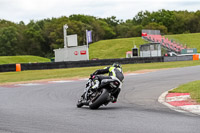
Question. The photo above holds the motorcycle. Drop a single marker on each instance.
(94, 98)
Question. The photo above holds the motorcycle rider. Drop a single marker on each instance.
(115, 72)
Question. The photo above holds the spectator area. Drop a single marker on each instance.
(165, 42)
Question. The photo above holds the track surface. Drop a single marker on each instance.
(51, 108)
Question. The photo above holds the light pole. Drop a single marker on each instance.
(65, 34)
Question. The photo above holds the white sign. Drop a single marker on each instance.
(72, 40)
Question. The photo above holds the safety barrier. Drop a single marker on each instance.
(195, 57)
(72, 64)
(18, 67)
(7, 67)
(104, 62)
(178, 58)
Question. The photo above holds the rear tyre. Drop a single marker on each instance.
(103, 98)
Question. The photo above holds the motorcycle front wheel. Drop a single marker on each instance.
(103, 98)
(79, 104)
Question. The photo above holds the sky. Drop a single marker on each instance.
(26, 10)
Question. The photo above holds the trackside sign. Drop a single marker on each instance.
(83, 52)
(76, 53)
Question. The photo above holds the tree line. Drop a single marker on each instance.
(42, 36)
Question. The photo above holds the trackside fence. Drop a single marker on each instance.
(73, 64)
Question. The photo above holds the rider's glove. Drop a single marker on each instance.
(92, 76)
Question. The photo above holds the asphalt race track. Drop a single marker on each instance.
(51, 108)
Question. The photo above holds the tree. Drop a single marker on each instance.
(86, 19)
(33, 39)
(42, 37)
(156, 26)
(122, 30)
(142, 18)
(8, 41)
(134, 31)
(163, 17)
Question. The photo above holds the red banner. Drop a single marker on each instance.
(83, 52)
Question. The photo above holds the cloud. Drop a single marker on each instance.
(25, 10)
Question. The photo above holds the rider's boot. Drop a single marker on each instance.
(96, 84)
(113, 99)
(115, 96)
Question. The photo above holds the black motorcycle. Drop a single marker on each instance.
(94, 98)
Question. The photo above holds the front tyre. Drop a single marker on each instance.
(103, 98)
(79, 104)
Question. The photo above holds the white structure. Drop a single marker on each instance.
(72, 40)
(151, 32)
(71, 50)
(71, 54)
(150, 50)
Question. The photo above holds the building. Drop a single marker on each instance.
(150, 50)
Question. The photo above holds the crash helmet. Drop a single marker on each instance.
(116, 65)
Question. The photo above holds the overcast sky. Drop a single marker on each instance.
(26, 10)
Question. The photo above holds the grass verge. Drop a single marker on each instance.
(114, 48)
(193, 88)
(191, 40)
(8, 77)
(22, 59)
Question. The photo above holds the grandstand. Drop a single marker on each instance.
(170, 45)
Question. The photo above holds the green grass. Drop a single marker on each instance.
(84, 72)
(114, 48)
(193, 88)
(192, 40)
(22, 59)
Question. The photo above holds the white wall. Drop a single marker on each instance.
(71, 54)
